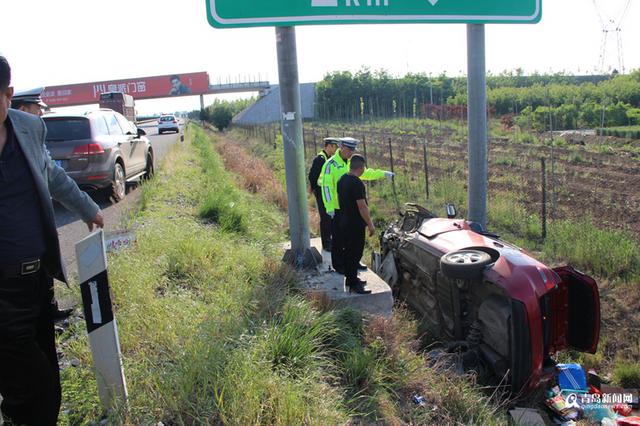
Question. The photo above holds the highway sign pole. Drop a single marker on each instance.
(477, 110)
(291, 125)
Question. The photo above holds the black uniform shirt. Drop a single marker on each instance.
(316, 168)
(350, 190)
(22, 236)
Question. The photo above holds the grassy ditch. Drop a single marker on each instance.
(214, 330)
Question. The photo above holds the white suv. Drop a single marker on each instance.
(168, 123)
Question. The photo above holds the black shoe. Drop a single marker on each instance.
(61, 314)
(339, 270)
(358, 288)
(362, 267)
(363, 282)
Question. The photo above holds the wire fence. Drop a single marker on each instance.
(552, 180)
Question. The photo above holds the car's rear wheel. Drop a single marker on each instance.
(149, 169)
(464, 264)
(119, 184)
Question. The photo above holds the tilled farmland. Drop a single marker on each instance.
(580, 182)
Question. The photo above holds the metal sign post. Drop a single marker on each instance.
(300, 253)
(477, 110)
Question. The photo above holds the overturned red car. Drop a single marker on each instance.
(500, 311)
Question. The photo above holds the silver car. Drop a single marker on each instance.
(100, 150)
(168, 123)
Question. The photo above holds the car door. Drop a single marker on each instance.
(137, 155)
(123, 141)
(579, 309)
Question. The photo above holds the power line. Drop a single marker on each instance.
(610, 25)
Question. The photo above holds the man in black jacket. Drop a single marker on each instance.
(354, 220)
(330, 148)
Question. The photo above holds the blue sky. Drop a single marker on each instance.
(72, 41)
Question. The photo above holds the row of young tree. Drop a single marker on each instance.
(221, 112)
(570, 101)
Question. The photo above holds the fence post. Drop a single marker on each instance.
(426, 166)
(304, 144)
(275, 138)
(315, 145)
(543, 168)
(364, 147)
(393, 178)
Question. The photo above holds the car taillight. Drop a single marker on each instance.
(174, 121)
(88, 149)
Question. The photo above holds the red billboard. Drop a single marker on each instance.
(140, 88)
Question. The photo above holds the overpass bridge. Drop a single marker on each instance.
(156, 87)
(251, 86)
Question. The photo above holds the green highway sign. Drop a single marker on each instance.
(254, 13)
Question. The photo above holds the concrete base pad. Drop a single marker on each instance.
(324, 282)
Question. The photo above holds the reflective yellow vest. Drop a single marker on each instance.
(331, 173)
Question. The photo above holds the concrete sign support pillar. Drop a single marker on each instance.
(300, 253)
(477, 110)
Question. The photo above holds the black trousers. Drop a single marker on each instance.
(337, 243)
(325, 221)
(354, 248)
(29, 373)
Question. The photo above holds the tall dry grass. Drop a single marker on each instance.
(257, 177)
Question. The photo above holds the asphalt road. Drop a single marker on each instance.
(71, 229)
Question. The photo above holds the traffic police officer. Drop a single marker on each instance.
(332, 171)
(330, 148)
(29, 101)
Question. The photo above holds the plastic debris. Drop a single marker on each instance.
(571, 377)
(629, 421)
(419, 400)
(622, 409)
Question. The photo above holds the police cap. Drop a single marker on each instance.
(32, 96)
(350, 143)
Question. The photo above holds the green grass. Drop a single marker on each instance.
(631, 132)
(627, 375)
(606, 253)
(214, 330)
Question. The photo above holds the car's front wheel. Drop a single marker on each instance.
(464, 264)
(119, 184)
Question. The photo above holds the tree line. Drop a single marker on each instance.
(538, 101)
(220, 113)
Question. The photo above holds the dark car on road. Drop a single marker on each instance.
(100, 150)
(491, 307)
